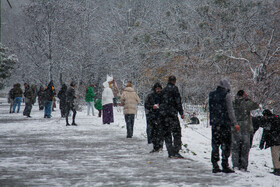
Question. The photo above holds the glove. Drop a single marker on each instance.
(237, 128)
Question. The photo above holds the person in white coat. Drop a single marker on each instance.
(107, 104)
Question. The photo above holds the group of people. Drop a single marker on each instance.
(233, 130)
(231, 121)
(15, 98)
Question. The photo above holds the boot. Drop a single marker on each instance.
(227, 170)
(277, 172)
(216, 168)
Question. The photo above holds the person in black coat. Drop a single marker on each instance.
(271, 138)
(70, 99)
(152, 105)
(222, 120)
(62, 100)
(169, 107)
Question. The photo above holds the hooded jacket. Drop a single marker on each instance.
(129, 100)
(220, 105)
(107, 94)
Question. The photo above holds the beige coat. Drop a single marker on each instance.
(129, 100)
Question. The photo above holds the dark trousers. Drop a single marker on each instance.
(148, 129)
(27, 109)
(68, 108)
(156, 133)
(171, 133)
(221, 137)
(129, 120)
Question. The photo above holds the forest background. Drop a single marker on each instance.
(198, 41)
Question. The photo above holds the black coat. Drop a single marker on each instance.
(62, 96)
(152, 99)
(271, 132)
(70, 96)
(218, 108)
(170, 102)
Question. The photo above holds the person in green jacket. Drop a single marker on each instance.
(241, 140)
(89, 99)
(98, 106)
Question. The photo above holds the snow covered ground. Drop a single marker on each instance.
(44, 152)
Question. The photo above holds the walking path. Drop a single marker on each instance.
(44, 152)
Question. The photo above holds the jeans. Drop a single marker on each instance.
(90, 105)
(17, 102)
(48, 109)
(129, 119)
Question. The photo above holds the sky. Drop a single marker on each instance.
(44, 152)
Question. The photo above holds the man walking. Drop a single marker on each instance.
(70, 99)
(169, 107)
(222, 118)
(28, 98)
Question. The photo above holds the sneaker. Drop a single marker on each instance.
(227, 170)
(74, 124)
(67, 124)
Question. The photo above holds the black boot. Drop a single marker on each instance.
(216, 168)
(227, 170)
(276, 172)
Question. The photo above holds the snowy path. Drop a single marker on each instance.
(44, 152)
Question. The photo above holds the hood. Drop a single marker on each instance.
(224, 84)
(106, 84)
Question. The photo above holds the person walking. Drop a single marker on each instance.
(17, 92)
(107, 104)
(241, 140)
(222, 118)
(40, 95)
(169, 107)
(70, 103)
(62, 100)
(271, 138)
(28, 99)
(129, 100)
(152, 105)
(89, 99)
(49, 93)
(11, 98)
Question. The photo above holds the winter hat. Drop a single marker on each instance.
(157, 85)
(224, 84)
(267, 112)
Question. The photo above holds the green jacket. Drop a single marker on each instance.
(98, 104)
(242, 108)
(89, 94)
